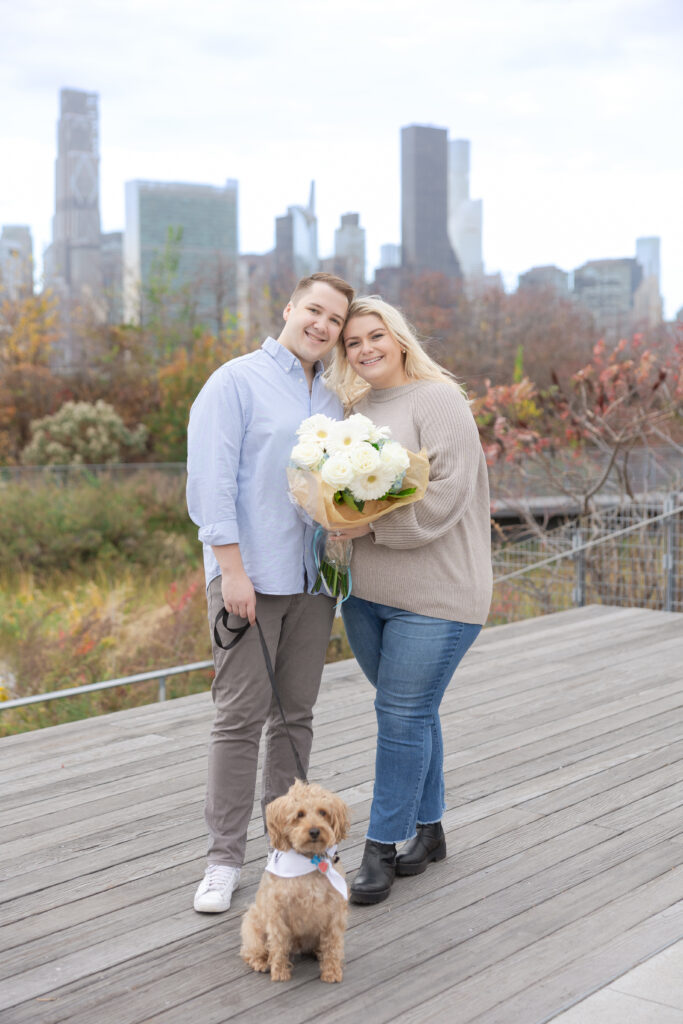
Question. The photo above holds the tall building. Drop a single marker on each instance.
(389, 255)
(16, 261)
(465, 215)
(607, 289)
(349, 252)
(349, 249)
(648, 255)
(72, 261)
(425, 244)
(112, 275)
(647, 302)
(296, 240)
(195, 224)
(549, 278)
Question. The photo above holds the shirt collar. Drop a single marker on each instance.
(286, 359)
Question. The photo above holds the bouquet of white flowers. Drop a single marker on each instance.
(346, 473)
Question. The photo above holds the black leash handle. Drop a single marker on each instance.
(239, 632)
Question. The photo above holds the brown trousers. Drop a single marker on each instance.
(297, 629)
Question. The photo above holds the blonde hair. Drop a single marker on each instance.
(346, 383)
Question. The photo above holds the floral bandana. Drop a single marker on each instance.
(289, 864)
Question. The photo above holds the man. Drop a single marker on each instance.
(258, 562)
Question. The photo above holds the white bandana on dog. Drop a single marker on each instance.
(290, 864)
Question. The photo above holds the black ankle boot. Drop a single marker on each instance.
(428, 845)
(372, 883)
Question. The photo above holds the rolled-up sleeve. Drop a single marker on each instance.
(214, 442)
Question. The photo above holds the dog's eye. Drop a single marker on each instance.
(301, 814)
(323, 814)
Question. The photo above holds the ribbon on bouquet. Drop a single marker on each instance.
(319, 540)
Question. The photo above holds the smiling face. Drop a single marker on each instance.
(313, 323)
(374, 353)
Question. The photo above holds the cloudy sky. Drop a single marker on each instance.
(573, 109)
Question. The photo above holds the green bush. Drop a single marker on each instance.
(82, 432)
(51, 527)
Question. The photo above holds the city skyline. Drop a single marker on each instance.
(572, 117)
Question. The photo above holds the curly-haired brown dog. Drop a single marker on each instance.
(306, 913)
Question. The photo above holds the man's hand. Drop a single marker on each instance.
(239, 596)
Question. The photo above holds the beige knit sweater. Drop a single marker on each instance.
(432, 557)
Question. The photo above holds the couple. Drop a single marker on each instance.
(421, 576)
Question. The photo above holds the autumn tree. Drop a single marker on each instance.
(28, 388)
(585, 430)
(179, 383)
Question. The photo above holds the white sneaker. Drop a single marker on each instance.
(216, 888)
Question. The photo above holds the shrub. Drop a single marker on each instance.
(82, 432)
(51, 527)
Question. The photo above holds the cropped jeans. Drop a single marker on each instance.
(410, 660)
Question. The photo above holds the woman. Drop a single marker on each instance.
(421, 583)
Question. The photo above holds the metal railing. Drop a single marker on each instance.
(603, 559)
(142, 677)
(579, 586)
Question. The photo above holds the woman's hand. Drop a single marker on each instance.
(352, 532)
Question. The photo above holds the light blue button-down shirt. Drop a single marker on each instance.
(242, 429)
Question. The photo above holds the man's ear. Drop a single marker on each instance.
(286, 311)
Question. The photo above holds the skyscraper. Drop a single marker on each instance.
(647, 303)
(607, 289)
(296, 240)
(200, 224)
(16, 261)
(72, 261)
(425, 244)
(349, 252)
(464, 214)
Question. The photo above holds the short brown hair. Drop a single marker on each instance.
(338, 283)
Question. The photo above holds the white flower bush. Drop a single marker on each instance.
(82, 433)
(354, 456)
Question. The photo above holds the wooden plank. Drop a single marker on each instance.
(564, 832)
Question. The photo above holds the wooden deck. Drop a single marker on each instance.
(564, 740)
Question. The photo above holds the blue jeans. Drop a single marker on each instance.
(410, 660)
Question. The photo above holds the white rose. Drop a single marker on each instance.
(307, 454)
(363, 457)
(338, 471)
(394, 458)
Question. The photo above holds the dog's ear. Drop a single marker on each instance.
(276, 822)
(341, 821)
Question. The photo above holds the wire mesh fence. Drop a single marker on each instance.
(626, 555)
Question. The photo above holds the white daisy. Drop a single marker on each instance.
(348, 432)
(372, 485)
(317, 426)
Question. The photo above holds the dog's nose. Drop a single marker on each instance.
(314, 833)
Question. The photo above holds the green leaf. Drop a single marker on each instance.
(349, 500)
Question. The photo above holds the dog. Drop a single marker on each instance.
(301, 902)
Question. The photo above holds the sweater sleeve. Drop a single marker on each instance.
(447, 431)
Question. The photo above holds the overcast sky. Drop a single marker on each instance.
(573, 109)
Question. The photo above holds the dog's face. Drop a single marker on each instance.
(307, 819)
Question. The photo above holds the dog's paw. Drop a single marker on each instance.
(331, 973)
(256, 962)
(280, 973)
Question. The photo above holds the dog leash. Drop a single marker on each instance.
(239, 632)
